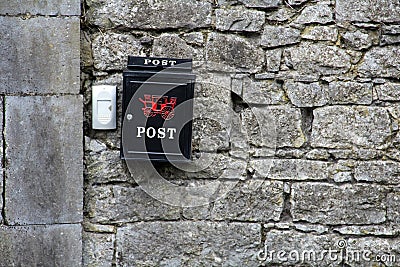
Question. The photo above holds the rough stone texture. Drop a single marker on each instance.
(320, 13)
(274, 36)
(46, 7)
(310, 58)
(263, 92)
(103, 165)
(299, 248)
(390, 34)
(381, 62)
(273, 58)
(222, 53)
(333, 205)
(107, 50)
(140, 14)
(348, 127)
(280, 126)
(379, 230)
(388, 91)
(393, 207)
(46, 62)
(261, 3)
(307, 94)
(112, 204)
(378, 171)
(98, 249)
(251, 201)
(53, 245)
(239, 19)
(189, 243)
(367, 11)
(44, 159)
(171, 45)
(320, 33)
(357, 40)
(290, 169)
(350, 93)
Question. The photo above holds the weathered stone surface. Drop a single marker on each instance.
(378, 171)
(274, 36)
(295, 2)
(388, 91)
(54, 245)
(357, 40)
(189, 244)
(332, 205)
(104, 165)
(378, 230)
(143, 14)
(320, 13)
(320, 33)
(98, 249)
(280, 126)
(46, 7)
(309, 58)
(390, 34)
(292, 248)
(366, 11)
(349, 127)
(307, 94)
(223, 50)
(263, 92)
(110, 204)
(212, 123)
(261, 3)
(239, 19)
(195, 38)
(290, 169)
(381, 62)
(251, 201)
(350, 93)
(46, 61)
(282, 15)
(171, 45)
(393, 207)
(273, 58)
(44, 159)
(108, 47)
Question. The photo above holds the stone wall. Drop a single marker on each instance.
(42, 138)
(297, 104)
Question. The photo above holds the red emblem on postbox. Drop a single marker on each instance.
(155, 104)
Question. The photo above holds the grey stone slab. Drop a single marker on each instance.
(98, 249)
(274, 36)
(239, 19)
(39, 55)
(321, 33)
(266, 92)
(110, 204)
(350, 93)
(307, 94)
(262, 3)
(367, 11)
(335, 205)
(107, 50)
(317, 58)
(290, 169)
(388, 91)
(44, 7)
(320, 13)
(44, 159)
(381, 62)
(222, 52)
(378, 171)
(143, 14)
(188, 244)
(251, 201)
(54, 245)
(351, 127)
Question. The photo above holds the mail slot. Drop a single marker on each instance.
(157, 109)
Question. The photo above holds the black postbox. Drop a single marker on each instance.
(157, 109)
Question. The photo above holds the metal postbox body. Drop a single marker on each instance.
(157, 109)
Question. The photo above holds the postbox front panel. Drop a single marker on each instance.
(157, 116)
